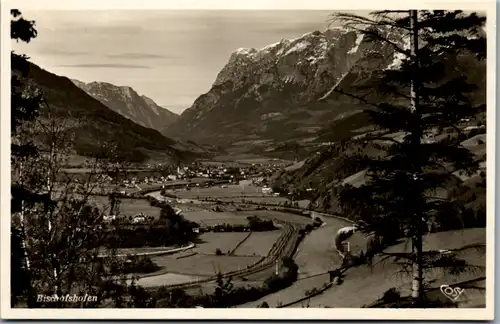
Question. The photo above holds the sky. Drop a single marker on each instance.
(170, 56)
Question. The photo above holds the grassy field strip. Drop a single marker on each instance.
(259, 243)
(206, 265)
(211, 217)
(129, 206)
(239, 244)
(280, 215)
(154, 253)
(186, 256)
(159, 273)
(290, 294)
(225, 241)
(166, 278)
(318, 292)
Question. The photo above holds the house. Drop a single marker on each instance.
(109, 218)
(139, 219)
(267, 190)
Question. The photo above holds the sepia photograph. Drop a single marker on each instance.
(201, 162)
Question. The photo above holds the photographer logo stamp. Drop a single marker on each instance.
(451, 293)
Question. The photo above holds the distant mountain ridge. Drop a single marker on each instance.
(128, 103)
(97, 124)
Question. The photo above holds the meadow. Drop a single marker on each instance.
(225, 241)
(362, 285)
(204, 265)
(282, 216)
(128, 206)
(212, 218)
(258, 243)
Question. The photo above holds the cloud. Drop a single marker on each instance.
(108, 65)
(60, 52)
(135, 56)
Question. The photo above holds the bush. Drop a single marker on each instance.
(291, 269)
(158, 233)
(275, 283)
(258, 225)
(263, 305)
(391, 296)
(140, 264)
(317, 224)
(311, 292)
(218, 251)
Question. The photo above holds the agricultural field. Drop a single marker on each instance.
(212, 218)
(226, 242)
(292, 218)
(141, 250)
(374, 281)
(204, 265)
(232, 193)
(256, 200)
(248, 159)
(129, 207)
(165, 279)
(218, 192)
(258, 243)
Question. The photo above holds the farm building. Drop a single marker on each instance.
(267, 190)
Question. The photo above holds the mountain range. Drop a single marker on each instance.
(128, 103)
(285, 94)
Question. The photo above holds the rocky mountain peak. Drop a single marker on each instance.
(281, 83)
(287, 90)
(127, 102)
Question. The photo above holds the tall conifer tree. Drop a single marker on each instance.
(423, 96)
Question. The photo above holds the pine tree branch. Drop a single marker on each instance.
(384, 20)
(356, 97)
(384, 39)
